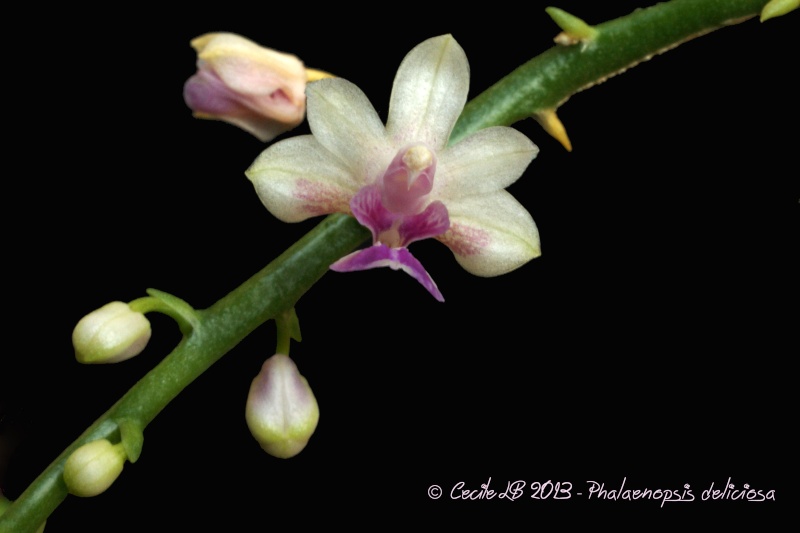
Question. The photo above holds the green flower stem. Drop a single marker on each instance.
(542, 84)
(549, 79)
(215, 331)
(288, 328)
(169, 305)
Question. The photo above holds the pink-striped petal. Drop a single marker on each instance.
(433, 221)
(297, 179)
(491, 234)
(366, 206)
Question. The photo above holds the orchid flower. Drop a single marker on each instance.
(403, 181)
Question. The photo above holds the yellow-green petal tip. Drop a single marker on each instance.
(575, 29)
(777, 8)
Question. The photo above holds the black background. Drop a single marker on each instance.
(649, 342)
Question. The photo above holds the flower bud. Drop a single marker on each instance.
(260, 90)
(282, 412)
(93, 467)
(110, 334)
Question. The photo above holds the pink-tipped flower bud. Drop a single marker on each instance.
(257, 89)
(93, 467)
(281, 412)
(113, 333)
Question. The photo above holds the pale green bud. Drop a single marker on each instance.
(110, 334)
(93, 467)
(281, 412)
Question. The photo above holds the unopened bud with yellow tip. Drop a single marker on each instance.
(113, 333)
(93, 467)
(281, 412)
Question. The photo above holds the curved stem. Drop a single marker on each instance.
(288, 328)
(549, 79)
(218, 329)
(540, 85)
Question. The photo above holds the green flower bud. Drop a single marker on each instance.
(110, 334)
(281, 412)
(93, 467)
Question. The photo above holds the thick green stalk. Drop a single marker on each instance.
(549, 79)
(540, 85)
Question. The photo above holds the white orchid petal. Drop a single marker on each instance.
(490, 160)
(491, 234)
(343, 120)
(297, 179)
(429, 93)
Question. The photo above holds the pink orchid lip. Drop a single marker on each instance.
(393, 229)
(380, 255)
(391, 234)
(397, 210)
